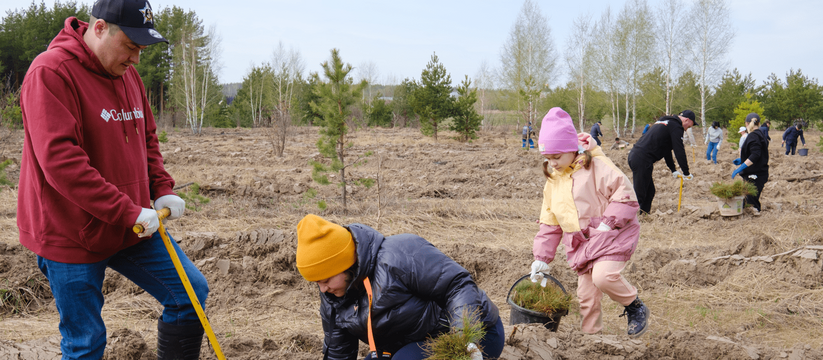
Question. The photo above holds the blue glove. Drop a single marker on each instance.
(742, 166)
(737, 161)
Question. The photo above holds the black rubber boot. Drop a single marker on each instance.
(638, 315)
(179, 342)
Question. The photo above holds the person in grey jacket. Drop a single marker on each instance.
(418, 292)
(714, 137)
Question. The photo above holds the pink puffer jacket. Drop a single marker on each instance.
(602, 193)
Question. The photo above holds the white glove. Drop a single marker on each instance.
(474, 351)
(718, 145)
(148, 219)
(676, 173)
(174, 203)
(604, 227)
(538, 269)
(689, 177)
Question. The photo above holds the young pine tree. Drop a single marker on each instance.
(333, 101)
(466, 121)
(432, 100)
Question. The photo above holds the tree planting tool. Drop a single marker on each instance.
(680, 197)
(162, 214)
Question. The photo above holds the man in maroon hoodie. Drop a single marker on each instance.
(91, 166)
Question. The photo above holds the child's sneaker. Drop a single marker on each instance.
(638, 315)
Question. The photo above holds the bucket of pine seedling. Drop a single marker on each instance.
(532, 303)
(730, 196)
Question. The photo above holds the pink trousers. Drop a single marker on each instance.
(605, 278)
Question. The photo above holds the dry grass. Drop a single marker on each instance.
(752, 304)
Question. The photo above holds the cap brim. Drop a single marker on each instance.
(143, 36)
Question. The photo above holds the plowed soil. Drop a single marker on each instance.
(743, 287)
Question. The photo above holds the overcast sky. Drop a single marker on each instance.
(771, 36)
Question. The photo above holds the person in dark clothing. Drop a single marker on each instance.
(790, 137)
(595, 132)
(755, 169)
(662, 138)
(417, 291)
(765, 130)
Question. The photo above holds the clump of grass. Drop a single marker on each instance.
(737, 188)
(549, 300)
(453, 345)
(3, 166)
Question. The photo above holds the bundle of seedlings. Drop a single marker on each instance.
(737, 188)
(548, 300)
(454, 344)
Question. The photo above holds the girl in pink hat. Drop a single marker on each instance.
(590, 205)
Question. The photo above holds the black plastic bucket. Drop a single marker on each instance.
(521, 315)
(803, 152)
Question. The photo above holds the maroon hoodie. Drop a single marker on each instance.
(91, 160)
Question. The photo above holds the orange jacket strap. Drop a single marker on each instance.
(372, 346)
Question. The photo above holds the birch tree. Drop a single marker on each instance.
(638, 27)
(195, 80)
(286, 73)
(670, 37)
(484, 83)
(607, 62)
(579, 63)
(528, 58)
(712, 35)
(256, 87)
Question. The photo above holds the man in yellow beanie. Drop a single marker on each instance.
(417, 290)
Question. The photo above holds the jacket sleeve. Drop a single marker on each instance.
(546, 242)
(55, 130)
(786, 133)
(339, 344)
(160, 182)
(433, 275)
(803, 139)
(615, 186)
(679, 150)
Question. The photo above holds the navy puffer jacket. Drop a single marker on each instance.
(417, 290)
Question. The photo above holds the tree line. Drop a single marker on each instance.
(632, 65)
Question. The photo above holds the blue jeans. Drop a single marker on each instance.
(492, 346)
(712, 150)
(77, 290)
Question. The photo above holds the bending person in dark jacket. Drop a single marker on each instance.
(662, 138)
(755, 167)
(790, 138)
(418, 292)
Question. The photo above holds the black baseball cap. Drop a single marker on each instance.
(134, 17)
(690, 115)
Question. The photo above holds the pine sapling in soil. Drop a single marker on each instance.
(548, 300)
(453, 345)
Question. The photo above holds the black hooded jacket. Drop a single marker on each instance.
(663, 137)
(756, 149)
(418, 291)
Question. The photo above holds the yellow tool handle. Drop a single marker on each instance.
(161, 214)
(680, 198)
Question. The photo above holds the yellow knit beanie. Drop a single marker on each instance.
(323, 249)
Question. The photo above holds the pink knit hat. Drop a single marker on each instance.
(557, 133)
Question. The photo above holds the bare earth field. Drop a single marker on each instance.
(718, 287)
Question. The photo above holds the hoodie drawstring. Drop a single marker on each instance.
(123, 111)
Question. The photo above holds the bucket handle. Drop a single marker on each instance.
(508, 296)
